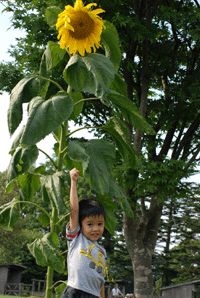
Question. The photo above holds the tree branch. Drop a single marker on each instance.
(188, 136)
(193, 158)
(167, 142)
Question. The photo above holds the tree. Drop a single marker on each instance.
(179, 234)
(160, 65)
(13, 246)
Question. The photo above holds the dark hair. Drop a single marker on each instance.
(89, 207)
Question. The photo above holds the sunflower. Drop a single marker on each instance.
(79, 28)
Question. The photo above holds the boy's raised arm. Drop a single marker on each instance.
(73, 198)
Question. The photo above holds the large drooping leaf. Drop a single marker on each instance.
(16, 142)
(110, 207)
(44, 75)
(21, 161)
(100, 169)
(102, 156)
(54, 54)
(29, 184)
(77, 102)
(119, 132)
(78, 76)
(119, 85)
(110, 41)
(46, 252)
(124, 104)
(9, 214)
(23, 92)
(53, 184)
(92, 73)
(46, 116)
(79, 156)
(102, 70)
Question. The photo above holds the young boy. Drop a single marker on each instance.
(86, 258)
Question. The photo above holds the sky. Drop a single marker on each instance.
(8, 35)
(7, 38)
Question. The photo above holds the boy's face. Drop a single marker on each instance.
(93, 227)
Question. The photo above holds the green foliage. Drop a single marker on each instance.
(51, 15)
(21, 161)
(163, 176)
(45, 251)
(9, 76)
(184, 261)
(52, 184)
(111, 43)
(23, 92)
(45, 117)
(92, 73)
(54, 55)
(9, 214)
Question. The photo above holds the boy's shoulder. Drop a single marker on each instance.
(70, 235)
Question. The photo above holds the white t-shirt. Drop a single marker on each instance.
(116, 292)
(86, 263)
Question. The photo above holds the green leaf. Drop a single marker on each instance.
(110, 217)
(119, 132)
(92, 73)
(119, 85)
(16, 141)
(125, 105)
(78, 154)
(78, 76)
(102, 70)
(43, 220)
(110, 41)
(59, 289)
(44, 73)
(9, 214)
(78, 106)
(51, 15)
(46, 116)
(36, 249)
(102, 156)
(53, 238)
(23, 92)
(52, 184)
(54, 54)
(46, 253)
(29, 184)
(101, 162)
(21, 161)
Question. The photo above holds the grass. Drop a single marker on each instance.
(8, 296)
(3, 296)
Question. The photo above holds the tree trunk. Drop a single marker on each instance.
(141, 235)
(143, 279)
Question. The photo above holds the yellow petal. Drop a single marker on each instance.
(79, 28)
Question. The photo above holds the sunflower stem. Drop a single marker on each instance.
(86, 99)
(53, 82)
(81, 128)
(52, 161)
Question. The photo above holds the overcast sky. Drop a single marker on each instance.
(7, 38)
(8, 35)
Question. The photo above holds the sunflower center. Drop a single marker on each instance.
(83, 25)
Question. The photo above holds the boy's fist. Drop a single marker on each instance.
(74, 174)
